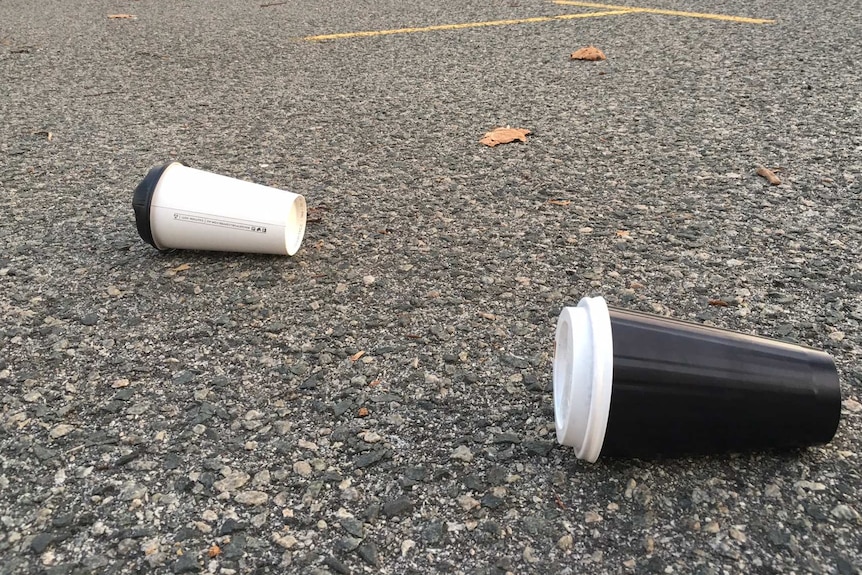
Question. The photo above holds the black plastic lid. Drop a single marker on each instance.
(143, 198)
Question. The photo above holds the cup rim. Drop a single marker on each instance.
(142, 201)
(591, 381)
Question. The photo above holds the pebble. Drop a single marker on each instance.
(309, 445)
(185, 564)
(399, 506)
(350, 494)
(541, 448)
(232, 481)
(347, 544)
(302, 468)
(852, 405)
(251, 497)
(462, 453)
(508, 437)
(467, 502)
(699, 496)
(592, 517)
(89, 319)
(802, 486)
(285, 541)
(367, 551)
(369, 437)
(712, 527)
(845, 512)
(353, 526)
(433, 532)
(566, 542)
(649, 544)
(183, 377)
(203, 527)
(491, 501)
(229, 526)
(369, 458)
(282, 427)
(406, 546)
(41, 542)
(253, 414)
(61, 430)
(132, 490)
(772, 491)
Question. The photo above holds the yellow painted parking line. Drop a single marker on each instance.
(464, 25)
(707, 16)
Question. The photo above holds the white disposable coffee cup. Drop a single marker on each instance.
(177, 207)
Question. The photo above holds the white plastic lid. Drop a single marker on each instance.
(583, 375)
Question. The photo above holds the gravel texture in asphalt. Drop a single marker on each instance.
(381, 401)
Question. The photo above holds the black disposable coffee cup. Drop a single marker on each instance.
(639, 385)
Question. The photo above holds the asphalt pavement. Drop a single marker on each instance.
(381, 401)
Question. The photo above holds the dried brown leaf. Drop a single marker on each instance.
(357, 355)
(122, 17)
(214, 551)
(590, 53)
(769, 175)
(718, 302)
(504, 136)
(559, 502)
(623, 233)
(363, 412)
(181, 268)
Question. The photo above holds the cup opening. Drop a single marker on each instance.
(563, 377)
(294, 227)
